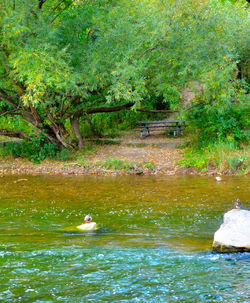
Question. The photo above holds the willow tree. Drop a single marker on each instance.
(67, 59)
(44, 47)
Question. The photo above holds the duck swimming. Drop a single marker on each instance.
(88, 225)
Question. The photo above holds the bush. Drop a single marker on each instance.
(220, 113)
(36, 150)
(212, 125)
(224, 156)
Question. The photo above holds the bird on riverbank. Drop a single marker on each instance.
(218, 179)
(138, 171)
(238, 204)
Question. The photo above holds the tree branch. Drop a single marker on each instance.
(11, 133)
(73, 99)
(149, 50)
(105, 109)
(8, 112)
(8, 99)
(60, 2)
(41, 3)
(194, 105)
(61, 12)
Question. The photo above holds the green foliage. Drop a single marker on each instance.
(149, 165)
(83, 162)
(141, 144)
(117, 164)
(224, 156)
(106, 142)
(36, 150)
(221, 113)
(15, 124)
(88, 149)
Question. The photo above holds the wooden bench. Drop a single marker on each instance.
(175, 127)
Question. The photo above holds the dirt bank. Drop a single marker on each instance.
(156, 154)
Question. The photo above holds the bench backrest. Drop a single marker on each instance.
(161, 122)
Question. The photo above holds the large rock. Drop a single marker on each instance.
(234, 234)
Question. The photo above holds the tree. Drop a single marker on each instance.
(63, 60)
(42, 81)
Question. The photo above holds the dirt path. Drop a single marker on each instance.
(156, 154)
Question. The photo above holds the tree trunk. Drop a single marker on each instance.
(76, 131)
(59, 131)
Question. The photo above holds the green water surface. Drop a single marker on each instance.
(154, 244)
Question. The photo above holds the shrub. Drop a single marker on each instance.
(36, 150)
(224, 156)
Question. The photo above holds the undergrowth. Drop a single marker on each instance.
(225, 157)
(106, 142)
(36, 150)
(118, 164)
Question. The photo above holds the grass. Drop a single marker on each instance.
(126, 166)
(4, 152)
(106, 142)
(141, 144)
(113, 164)
(83, 162)
(149, 165)
(118, 164)
(225, 157)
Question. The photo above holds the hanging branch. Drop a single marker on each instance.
(61, 11)
(149, 50)
(55, 8)
(41, 3)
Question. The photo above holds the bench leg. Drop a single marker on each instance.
(144, 133)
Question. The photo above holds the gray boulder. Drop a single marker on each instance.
(234, 234)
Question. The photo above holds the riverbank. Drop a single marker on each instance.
(156, 154)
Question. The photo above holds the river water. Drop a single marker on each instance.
(154, 242)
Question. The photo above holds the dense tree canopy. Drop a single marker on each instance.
(62, 60)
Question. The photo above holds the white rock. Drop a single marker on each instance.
(234, 233)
